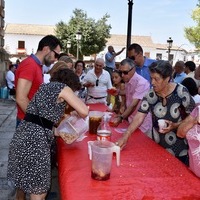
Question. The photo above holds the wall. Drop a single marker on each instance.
(3, 54)
(31, 42)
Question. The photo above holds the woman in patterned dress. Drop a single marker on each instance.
(29, 164)
(165, 100)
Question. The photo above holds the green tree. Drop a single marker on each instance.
(192, 33)
(198, 4)
(94, 33)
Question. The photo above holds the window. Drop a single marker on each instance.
(21, 44)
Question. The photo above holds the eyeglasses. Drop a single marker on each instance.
(97, 82)
(133, 57)
(56, 54)
(125, 72)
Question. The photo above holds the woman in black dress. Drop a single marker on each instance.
(29, 165)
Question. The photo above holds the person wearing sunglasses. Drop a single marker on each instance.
(97, 81)
(135, 89)
(29, 73)
(135, 52)
(29, 76)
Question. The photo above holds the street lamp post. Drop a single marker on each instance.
(68, 46)
(128, 40)
(78, 38)
(169, 41)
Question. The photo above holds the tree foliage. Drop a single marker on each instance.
(198, 4)
(94, 33)
(192, 33)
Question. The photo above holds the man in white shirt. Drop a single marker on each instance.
(97, 81)
(10, 79)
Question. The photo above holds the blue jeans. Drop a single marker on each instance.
(18, 122)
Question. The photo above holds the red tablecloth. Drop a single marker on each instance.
(98, 107)
(147, 171)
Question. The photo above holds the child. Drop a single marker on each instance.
(117, 98)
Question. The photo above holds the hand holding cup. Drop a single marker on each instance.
(113, 91)
(162, 124)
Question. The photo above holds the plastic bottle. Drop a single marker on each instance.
(104, 130)
(4, 93)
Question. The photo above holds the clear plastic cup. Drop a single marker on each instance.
(162, 124)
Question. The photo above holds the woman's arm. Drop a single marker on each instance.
(185, 126)
(138, 119)
(68, 95)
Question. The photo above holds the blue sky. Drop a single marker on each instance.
(159, 19)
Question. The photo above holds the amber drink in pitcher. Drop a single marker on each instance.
(101, 153)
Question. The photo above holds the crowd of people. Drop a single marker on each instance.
(141, 90)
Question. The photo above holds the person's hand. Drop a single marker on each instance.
(74, 113)
(113, 91)
(89, 84)
(55, 132)
(123, 48)
(115, 121)
(122, 141)
(170, 126)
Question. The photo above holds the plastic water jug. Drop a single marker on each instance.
(4, 92)
(101, 153)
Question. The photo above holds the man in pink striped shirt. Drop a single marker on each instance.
(135, 88)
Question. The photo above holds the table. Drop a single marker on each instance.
(147, 172)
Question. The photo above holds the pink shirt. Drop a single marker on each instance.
(195, 112)
(136, 88)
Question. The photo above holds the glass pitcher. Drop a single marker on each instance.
(101, 153)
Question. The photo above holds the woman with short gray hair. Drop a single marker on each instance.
(165, 100)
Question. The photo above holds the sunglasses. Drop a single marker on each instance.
(132, 58)
(56, 54)
(97, 82)
(125, 72)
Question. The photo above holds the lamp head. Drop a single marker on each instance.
(68, 44)
(170, 41)
(78, 35)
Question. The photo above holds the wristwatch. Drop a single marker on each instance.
(121, 117)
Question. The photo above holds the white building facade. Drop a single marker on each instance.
(22, 39)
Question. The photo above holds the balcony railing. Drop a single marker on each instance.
(21, 51)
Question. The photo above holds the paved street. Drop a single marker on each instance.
(7, 129)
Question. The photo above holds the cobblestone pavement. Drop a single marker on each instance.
(7, 129)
